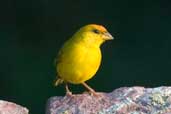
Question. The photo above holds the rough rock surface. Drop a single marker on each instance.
(126, 100)
(11, 108)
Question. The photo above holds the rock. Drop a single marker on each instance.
(125, 100)
(11, 108)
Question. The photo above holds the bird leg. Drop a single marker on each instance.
(92, 92)
(68, 92)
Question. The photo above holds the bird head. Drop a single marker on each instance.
(93, 35)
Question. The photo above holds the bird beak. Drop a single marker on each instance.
(108, 36)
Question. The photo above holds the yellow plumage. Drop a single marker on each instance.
(80, 57)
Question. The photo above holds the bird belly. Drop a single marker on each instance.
(81, 64)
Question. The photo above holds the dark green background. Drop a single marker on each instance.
(32, 31)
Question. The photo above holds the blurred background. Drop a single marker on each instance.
(32, 32)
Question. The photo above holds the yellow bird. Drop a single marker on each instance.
(80, 57)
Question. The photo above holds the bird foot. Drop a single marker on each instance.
(93, 93)
(69, 94)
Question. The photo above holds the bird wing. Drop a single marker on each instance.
(57, 60)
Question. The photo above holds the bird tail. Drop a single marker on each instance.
(58, 81)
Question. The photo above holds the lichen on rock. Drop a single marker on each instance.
(125, 100)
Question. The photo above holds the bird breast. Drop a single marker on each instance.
(82, 63)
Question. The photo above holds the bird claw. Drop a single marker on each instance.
(69, 94)
(92, 93)
(95, 94)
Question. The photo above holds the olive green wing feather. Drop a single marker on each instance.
(57, 60)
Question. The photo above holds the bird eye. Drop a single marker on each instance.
(96, 31)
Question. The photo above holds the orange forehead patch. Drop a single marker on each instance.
(98, 27)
